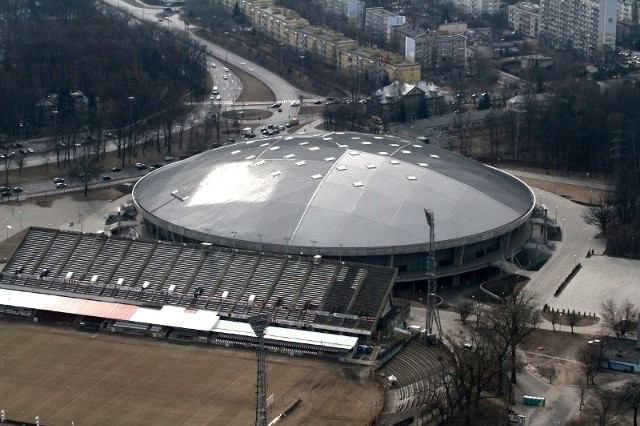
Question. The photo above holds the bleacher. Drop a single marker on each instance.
(418, 369)
(292, 289)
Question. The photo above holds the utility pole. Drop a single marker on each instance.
(259, 324)
(433, 317)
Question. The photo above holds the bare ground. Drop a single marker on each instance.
(64, 375)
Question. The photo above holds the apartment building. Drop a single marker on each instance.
(477, 7)
(378, 63)
(431, 49)
(379, 22)
(353, 10)
(287, 27)
(589, 26)
(524, 17)
(629, 10)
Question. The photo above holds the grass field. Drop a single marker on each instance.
(64, 375)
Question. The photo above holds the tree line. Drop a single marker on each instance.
(134, 77)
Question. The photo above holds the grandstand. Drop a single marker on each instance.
(197, 292)
(417, 370)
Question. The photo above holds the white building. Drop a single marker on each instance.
(353, 10)
(589, 26)
(477, 7)
(629, 10)
(379, 22)
(524, 18)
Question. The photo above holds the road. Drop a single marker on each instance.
(283, 91)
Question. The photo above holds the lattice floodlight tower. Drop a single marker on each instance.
(433, 317)
(259, 324)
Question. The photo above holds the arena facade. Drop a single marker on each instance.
(344, 196)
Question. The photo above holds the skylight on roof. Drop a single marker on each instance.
(354, 153)
(394, 162)
(355, 137)
(273, 148)
(314, 148)
(383, 153)
(327, 139)
(423, 165)
(314, 177)
(378, 137)
(300, 163)
(365, 143)
(259, 163)
(237, 151)
(303, 143)
(405, 151)
(251, 157)
(276, 173)
(265, 144)
(393, 144)
(370, 166)
(358, 184)
(343, 146)
(412, 178)
(288, 137)
(341, 167)
(434, 156)
(417, 146)
(330, 159)
(289, 156)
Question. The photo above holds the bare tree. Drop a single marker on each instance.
(83, 171)
(620, 319)
(573, 319)
(604, 409)
(631, 397)
(601, 213)
(513, 320)
(555, 318)
(465, 310)
(589, 356)
(478, 309)
(582, 393)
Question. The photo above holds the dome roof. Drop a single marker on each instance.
(332, 190)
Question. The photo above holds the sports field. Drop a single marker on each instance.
(64, 376)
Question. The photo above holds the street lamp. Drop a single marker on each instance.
(575, 260)
(226, 49)
(20, 215)
(234, 233)
(8, 228)
(302, 61)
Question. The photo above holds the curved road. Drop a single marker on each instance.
(283, 91)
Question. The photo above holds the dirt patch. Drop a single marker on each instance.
(164, 383)
(548, 350)
(248, 114)
(104, 194)
(584, 321)
(253, 90)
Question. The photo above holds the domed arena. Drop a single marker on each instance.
(345, 196)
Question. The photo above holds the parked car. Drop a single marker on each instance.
(106, 177)
(58, 180)
(116, 169)
(18, 189)
(141, 166)
(168, 159)
(61, 185)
